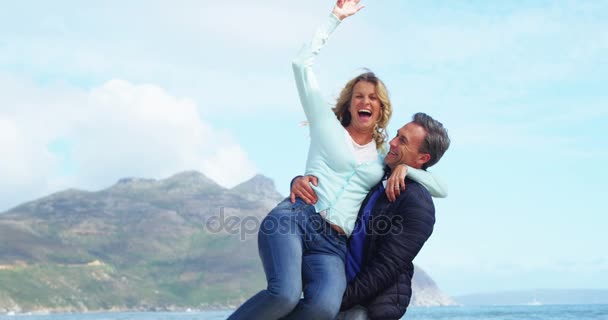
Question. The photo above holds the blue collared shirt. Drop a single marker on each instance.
(354, 254)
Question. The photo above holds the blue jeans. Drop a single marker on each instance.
(300, 252)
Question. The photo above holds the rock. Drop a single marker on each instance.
(425, 293)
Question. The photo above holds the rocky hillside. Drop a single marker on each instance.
(426, 293)
(142, 244)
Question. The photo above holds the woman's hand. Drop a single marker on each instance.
(301, 188)
(396, 182)
(346, 8)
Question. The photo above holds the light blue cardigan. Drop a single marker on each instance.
(343, 184)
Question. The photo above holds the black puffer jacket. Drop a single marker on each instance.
(396, 233)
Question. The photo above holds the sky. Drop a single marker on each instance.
(94, 92)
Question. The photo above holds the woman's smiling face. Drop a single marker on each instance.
(365, 107)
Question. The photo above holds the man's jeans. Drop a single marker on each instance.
(300, 252)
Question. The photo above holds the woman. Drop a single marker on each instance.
(303, 246)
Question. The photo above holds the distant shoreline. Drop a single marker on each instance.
(48, 311)
(5, 312)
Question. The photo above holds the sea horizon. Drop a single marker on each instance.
(507, 312)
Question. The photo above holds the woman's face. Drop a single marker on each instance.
(364, 107)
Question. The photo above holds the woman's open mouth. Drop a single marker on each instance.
(364, 114)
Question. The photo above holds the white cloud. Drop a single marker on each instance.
(229, 164)
(118, 129)
(21, 162)
(201, 49)
(26, 128)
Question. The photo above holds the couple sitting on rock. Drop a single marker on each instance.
(352, 226)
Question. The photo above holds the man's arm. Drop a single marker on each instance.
(397, 247)
(300, 187)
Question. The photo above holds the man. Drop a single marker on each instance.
(389, 235)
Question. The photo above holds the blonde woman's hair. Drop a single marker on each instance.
(343, 102)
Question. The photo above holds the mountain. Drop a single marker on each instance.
(426, 293)
(143, 244)
(259, 188)
(537, 297)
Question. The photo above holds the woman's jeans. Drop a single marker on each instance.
(300, 253)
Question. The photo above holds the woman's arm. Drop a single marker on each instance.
(395, 183)
(346, 8)
(432, 183)
(310, 95)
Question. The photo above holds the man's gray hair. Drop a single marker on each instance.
(436, 142)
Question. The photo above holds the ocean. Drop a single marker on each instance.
(545, 312)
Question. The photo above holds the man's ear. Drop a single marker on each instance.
(424, 158)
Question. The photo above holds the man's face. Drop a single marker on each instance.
(405, 145)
